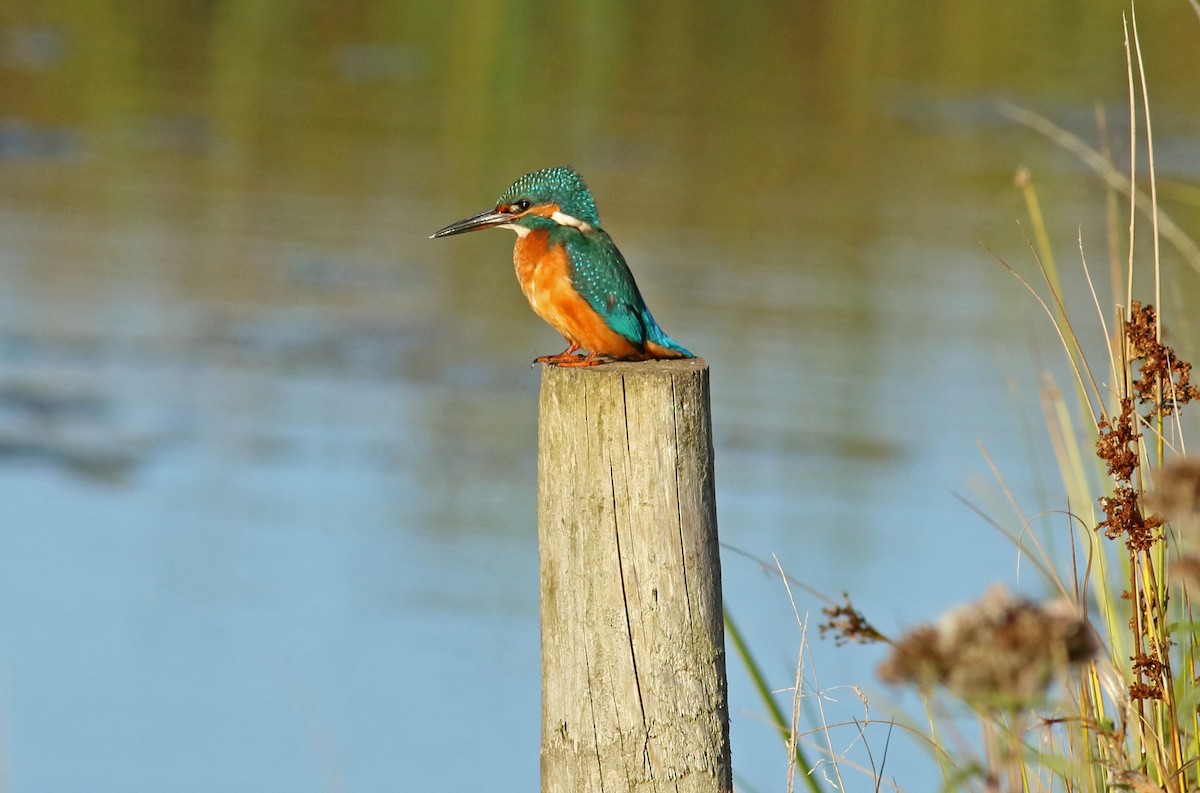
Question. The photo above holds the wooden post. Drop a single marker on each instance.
(633, 653)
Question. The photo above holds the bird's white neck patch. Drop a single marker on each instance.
(563, 219)
(521, 230)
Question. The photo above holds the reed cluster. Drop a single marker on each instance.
(1096, 686)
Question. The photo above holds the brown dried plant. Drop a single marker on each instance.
(1162, 380)
(1123, 517)
(1158, 378)
(1129, 720)
(1001, 652)
(1117, 444)
(1176, 496)
(847, 624)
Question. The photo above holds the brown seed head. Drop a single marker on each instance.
(1117, 443)
(1186, 571)
(1123, 518)
(1177, 496)
(1158, 364)
(1000, 652)
(847, 624)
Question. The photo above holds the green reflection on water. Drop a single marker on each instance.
(781, 175)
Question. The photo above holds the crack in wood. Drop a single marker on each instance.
(637, 680)
(587, 665)
(683, 559)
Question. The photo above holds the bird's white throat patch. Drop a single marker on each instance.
(563, 219)
(521, 230)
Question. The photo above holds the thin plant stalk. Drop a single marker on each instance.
(765, 694)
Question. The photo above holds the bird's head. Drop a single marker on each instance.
(540, 200)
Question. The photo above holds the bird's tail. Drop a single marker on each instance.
(660, 345)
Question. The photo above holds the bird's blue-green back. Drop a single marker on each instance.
(602, 278)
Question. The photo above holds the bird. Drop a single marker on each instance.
(571, 271)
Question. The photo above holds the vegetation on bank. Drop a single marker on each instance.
(1095, 688)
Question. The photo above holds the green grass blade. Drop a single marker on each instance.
(764, 692)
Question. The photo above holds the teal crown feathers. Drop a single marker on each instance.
(562, 186)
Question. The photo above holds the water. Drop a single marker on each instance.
(267, 454)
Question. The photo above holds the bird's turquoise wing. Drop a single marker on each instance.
(601, 276)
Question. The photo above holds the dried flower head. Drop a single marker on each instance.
(1123, 517)
(1159, 364)
(1177, 495)
(1186, 572)
(847, 624)
(1117, 442)
(1001, 652)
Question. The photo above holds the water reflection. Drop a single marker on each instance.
(267, 456)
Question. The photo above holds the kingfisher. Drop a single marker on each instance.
(571, 271)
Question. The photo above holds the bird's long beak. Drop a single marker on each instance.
(483, 220)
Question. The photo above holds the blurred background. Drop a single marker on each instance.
(267, 453)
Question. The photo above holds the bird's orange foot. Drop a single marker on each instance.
(566, 355)
(590, 360)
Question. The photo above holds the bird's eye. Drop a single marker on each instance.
(522, 205)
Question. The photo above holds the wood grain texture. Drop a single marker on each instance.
(633, 660)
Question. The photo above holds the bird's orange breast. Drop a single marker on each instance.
(544, 271)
